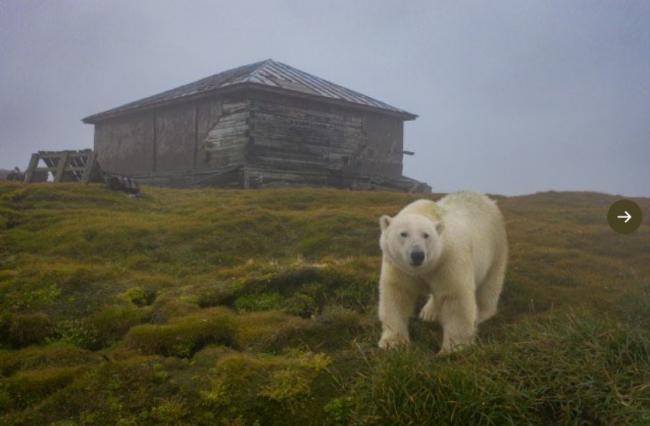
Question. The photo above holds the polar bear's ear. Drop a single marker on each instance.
(440, 227)
(384, 221)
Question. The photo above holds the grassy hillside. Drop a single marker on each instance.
(259, 307)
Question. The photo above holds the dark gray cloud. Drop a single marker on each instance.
(513, 96)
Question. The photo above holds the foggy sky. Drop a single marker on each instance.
(512, 96)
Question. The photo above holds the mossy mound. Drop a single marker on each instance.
(183, 336)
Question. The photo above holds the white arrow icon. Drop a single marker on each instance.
(625, 216)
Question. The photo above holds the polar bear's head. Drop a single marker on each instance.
(411, 241)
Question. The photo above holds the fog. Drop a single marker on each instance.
(513, 96)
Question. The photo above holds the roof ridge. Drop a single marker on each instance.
(269, 74)
(261, 64)
(321, 79)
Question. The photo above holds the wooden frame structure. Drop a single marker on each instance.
(65, 166)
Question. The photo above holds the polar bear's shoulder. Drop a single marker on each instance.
(466, 199)
(424, 207)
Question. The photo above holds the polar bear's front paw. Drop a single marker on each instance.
(389, 341)
(428, 312)
(445, 351)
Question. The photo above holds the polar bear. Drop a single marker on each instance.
(453, 251)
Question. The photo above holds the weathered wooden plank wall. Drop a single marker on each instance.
(277, 138)
(125, 145)
(175, 139)
(382, 155)
(208, 112)
(209, 134)
(226, 142)
(300, 135)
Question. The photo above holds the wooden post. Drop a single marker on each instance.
(60, 167)
(245, 178)
(196, 135)
(90, 166)
(155, 142)
(33, 162)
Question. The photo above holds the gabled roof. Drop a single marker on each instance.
(265, 75)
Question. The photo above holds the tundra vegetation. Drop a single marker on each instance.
(210, 306)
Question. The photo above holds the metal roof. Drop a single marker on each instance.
(268, 74)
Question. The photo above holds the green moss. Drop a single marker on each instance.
(27, 387)
(263, 388)
(36, 292)
(112, 322)
(80, 333)
(170, 411)
(21, 330)
(182, 337)
(221, 293)
(300, 304)
(259, 302)
(121, 392)
(206, 357)
(171, 306)
(274, 331)
(140, 296)
(343, 319)
(270, 330)
(300, 289)
(54, 355)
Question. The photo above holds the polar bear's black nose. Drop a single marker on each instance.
(417, 257)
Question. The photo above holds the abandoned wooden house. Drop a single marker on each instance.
(263, 124)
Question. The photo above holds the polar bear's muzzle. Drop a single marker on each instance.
(417, 256)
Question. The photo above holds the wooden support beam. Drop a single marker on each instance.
(60, 166)
(33, 162)
(90, 165)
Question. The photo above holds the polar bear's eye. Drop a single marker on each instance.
(404, 234)
(425, 235)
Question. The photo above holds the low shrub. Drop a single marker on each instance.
(78, 332)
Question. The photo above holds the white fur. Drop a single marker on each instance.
(465, 249)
